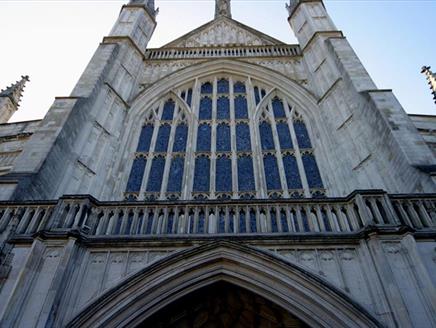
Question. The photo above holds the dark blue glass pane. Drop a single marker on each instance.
(243, 142)
(202, 174)
(183, 95)
(206, 88)
(176, 174)
(189, 98)
(284, 136)
(242, 226)
(291, 171)
(239, 87)
(284, 222)
(266, 136)
(223, 108)
(272, 173)
(156, 174)
(263, 93)
(136, 175)
(245, 173)
(162, 138)
(205, 108)
(203, 138)
(312, 172)
(279, 110)
(302, 135)
(274, 225)
(256, 95)
(145, 138)
(223, 86)
(241, 109)
(180, 138)
(223, 174)
(168, 110)
(223, 137)
(253, 225)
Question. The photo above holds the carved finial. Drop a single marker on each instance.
(291, 6)
(431, 78)
(15, 91)
(149, 4)
(223, 8)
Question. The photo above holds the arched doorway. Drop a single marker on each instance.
(222, 305)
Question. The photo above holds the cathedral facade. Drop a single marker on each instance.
(226, 179)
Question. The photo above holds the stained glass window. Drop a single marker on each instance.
(202, 174)
(162, 138)
(223, 86)
(206, 87)
(243, 142)
(180, 138)
(176, 174)
(145, 138)
(272, 172)
(291, 171)
(223, 174)
(223, 138)
(239, 87)
(302, 135)
(203, 137)
(223, 108)
(256, 95)
(241, 109)
(136, 174)
(284, 135)
(278, 109)
(168, 110)
(189, 97)
(205, 108)
(266, 136)
(245, 173)
(156, 174)
(312, 172)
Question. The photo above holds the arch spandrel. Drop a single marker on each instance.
(289, 286)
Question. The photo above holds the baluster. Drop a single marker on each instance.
(425, 218)
(353, 222)
(331, 219)
(113, 219)
(135, 222)
(31, 227)
(299, 219)
(312, 219)
(320, 218)
(22, 225)
(102, 223)
(413, 215)
(70, 216)
(4, 221)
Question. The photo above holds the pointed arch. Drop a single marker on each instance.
(294, 289)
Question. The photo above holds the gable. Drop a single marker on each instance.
(223, 31)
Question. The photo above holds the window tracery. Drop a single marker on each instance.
(222, 139)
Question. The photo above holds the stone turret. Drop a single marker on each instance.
(431, 79)
(10, 99)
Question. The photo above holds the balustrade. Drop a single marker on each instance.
(237, 217)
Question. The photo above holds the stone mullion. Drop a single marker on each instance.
(256, 148)
(279, 157)
(150, 155)
(169, 155)
(297, 153)
(191, 143)
(234, 156)
(212, 172)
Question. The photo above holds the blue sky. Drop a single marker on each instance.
(53, 41)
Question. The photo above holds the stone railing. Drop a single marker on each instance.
(222, 52)
(237, 217)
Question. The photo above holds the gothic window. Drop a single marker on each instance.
(241, 109)
(136, 174)
(163, 138)
(243, 142)
(202, 174)
(176, 174)
(205, 108)
(180, 138)
(222, 148)
(203, 137)
(145, 138)
(156, 174)
(168, 110)
(223, 108)
(223, 174)
(245, 173)
(223, 138)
